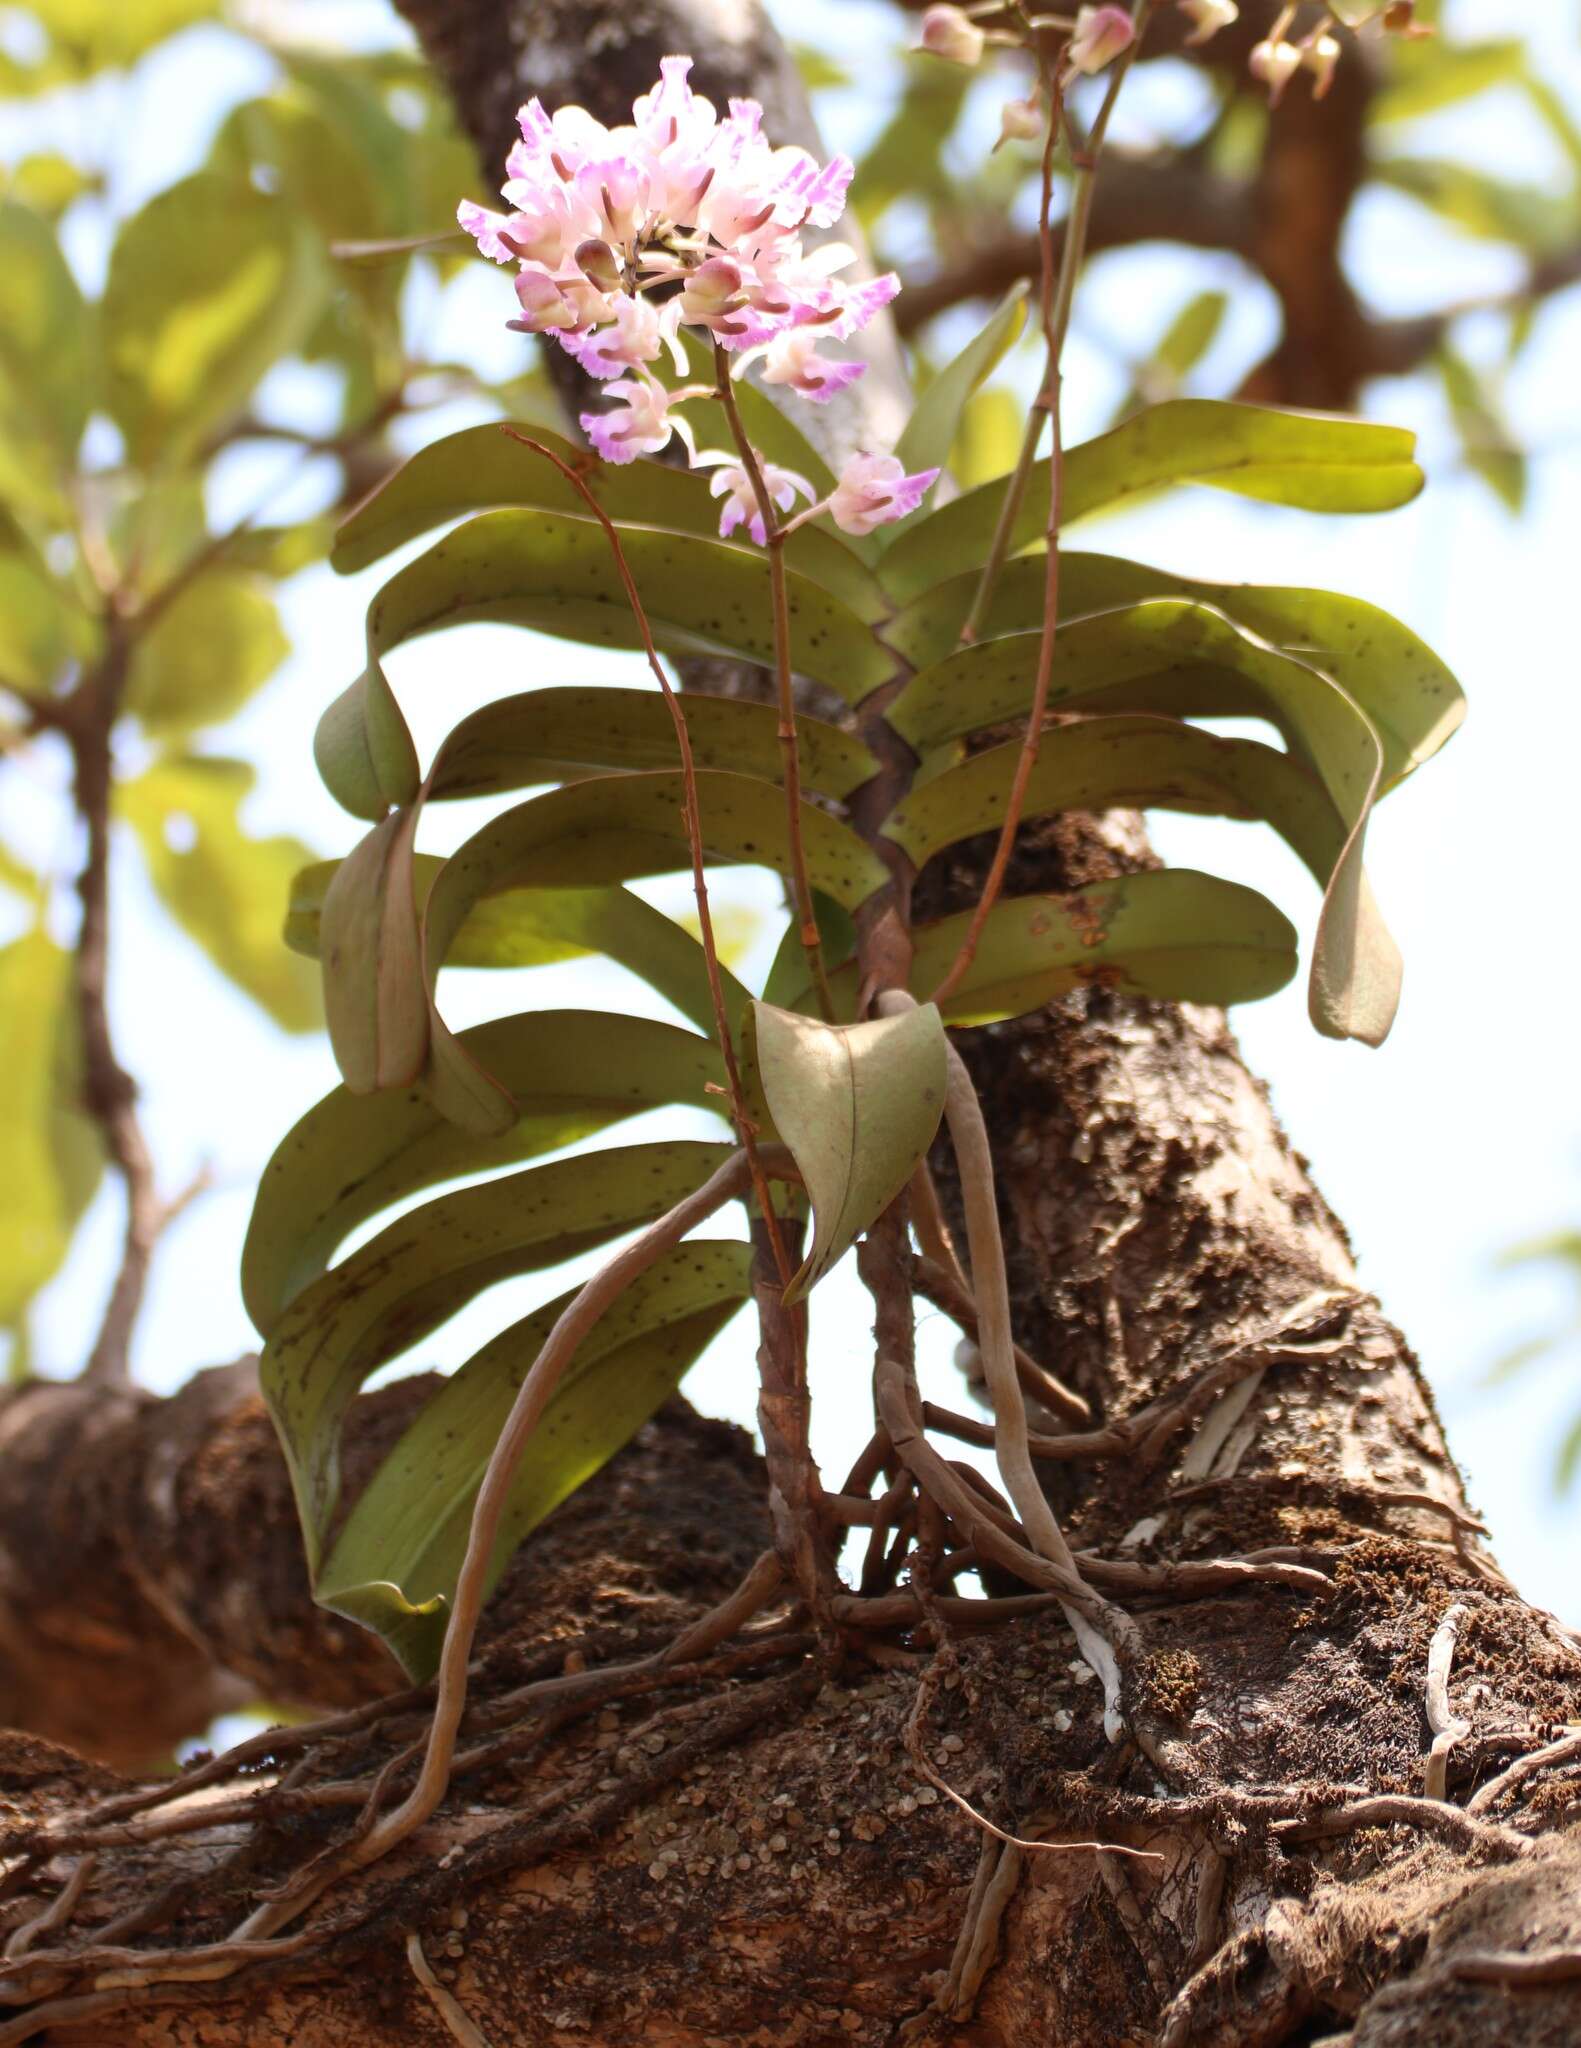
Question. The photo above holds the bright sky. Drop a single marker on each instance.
(1459, 1138)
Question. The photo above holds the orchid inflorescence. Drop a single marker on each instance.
(625, 237)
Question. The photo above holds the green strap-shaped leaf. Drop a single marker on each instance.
(614, 828)
(610, 829)
(223, 887)
(375, 999)
(1412, 699)
(556, 735)
(1317, 463)
(930, 433)
(558, 575)
(1173, 933)
(537, 927)
(419, 1270)
(572, 1072)
(395, 1562)
(487, 468)
(858, 1105)
(1100, 763)
(787, 979)
(208, 286)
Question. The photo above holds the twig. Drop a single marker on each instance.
(1056, 295)
(1564, 1751)
(448, 2010)
(784, 685)
(1447, 1730)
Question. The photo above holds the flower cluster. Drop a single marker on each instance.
(623, 237)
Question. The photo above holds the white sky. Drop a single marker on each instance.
(1460, 1137)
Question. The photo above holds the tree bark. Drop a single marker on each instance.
(746, 1852)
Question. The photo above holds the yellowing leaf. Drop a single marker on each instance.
(209, 285)
(226, 890)
(49, 1154)
(858, 1105)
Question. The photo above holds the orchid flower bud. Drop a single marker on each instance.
(1101, 34)
(1020, 121)
(1321, 57)
(948, 33)
(1274, 65)
(1210, 16)
(596, 261)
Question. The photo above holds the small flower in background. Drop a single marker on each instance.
(874, 489)
(1210, 16)
(1101, 34)
(1321, 56)
(1274, 65)
(1020, 121)
(731, 482)
(948, 33)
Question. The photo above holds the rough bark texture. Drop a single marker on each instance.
(747, 1854)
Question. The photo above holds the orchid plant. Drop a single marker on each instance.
(671, 260)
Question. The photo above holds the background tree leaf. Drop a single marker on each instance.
(206, 652)
(226, 889)
(209, 284)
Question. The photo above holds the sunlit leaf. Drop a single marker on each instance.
(204, 654)
(1475, 201)
(42, 630)
(1485, 439)
(226, 889)
(50, 182)
(1427, 76)
(1315, 462)
(103, 34)
(395, 1562)
(50, 1154)
(210, 284)
(858, 1105)
(47, 365)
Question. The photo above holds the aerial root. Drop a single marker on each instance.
(1446, 1728)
